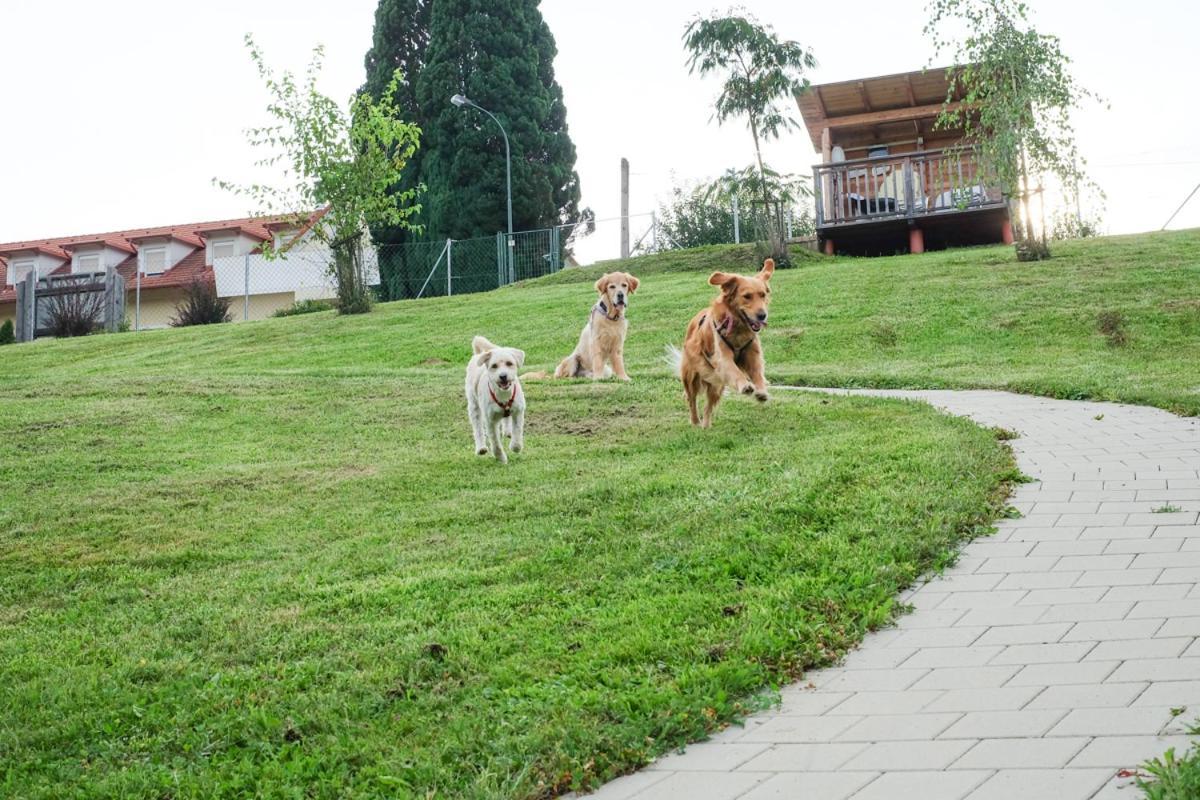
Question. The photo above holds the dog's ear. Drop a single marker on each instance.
(519, 355)
(767, 269)
(726, 280)
(633, 283)
(483, 357)
(602, 284)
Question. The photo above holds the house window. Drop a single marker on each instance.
(88, 263)
(19, 270)
(154, 259)
(283, 238)
(223, 248)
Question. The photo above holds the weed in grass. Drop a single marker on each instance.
(306, 307)
(1112, 325)
(1166, 508)
(883, 334)
(1032, 250)
(1005, 434)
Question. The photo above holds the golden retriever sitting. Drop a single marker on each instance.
(603, 338)
(721, 348)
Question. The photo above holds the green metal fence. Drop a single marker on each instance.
(462, 266)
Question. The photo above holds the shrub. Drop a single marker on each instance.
(201, 306)
(1112, 325)
(73, 313)
(1032, 250)
(7, 336)
(1068, 225)
(305, 307)
(689, 220)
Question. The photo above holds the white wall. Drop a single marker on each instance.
(242, 244)
(109, 256)
(302, 270)
(43, 263)
(177, 251)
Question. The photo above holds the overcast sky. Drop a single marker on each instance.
(119, 114)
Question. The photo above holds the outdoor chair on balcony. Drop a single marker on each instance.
(965, 196)
(892, 188)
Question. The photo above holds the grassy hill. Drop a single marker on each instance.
(264, 559)
(976, 318)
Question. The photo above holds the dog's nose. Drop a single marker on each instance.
(620, 297)
(762, 315)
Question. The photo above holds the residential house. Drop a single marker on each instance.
(891, 179)
(158, 264)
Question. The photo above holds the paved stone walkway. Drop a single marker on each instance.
(1048, 659)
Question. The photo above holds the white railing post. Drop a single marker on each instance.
(449, 267)
(137, 302)
(246, 296)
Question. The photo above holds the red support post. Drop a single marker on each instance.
(829, 247)
(1006, 232)
(916, 240)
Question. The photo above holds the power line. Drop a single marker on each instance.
(1150, 164)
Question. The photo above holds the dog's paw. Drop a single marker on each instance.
(516, 448)
(747, 388)
(483, 451)
(762, 396)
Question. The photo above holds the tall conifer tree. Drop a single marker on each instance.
(500, 53)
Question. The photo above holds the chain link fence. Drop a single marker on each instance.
(234, 288)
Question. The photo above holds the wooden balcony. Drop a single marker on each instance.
(921, 185)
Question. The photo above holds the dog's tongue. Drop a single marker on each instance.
(757, 326)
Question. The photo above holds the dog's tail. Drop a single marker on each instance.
(674, 359)
(538, 375)
(481, 345)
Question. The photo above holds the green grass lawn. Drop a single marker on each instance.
(264, 560)
(976, 318)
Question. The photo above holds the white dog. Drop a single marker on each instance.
(495, 402)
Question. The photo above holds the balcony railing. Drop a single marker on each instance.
(911, 185)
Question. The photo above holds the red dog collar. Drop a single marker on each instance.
(505, 407)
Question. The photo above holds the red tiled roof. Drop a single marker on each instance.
(189, 268)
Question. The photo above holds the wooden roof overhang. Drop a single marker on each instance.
(877, 109)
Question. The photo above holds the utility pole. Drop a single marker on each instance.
(624, 208)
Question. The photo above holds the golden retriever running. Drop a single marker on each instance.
(721, 348)
(602, 340)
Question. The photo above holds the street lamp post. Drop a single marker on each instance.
(461, 100)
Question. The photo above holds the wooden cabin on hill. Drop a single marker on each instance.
(888, 181)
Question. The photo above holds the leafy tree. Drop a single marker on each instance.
(345, 162)
(703, 214)
(761, 76)
(7, 333)
(1017, 100)
(500, 53)
(400, 41)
